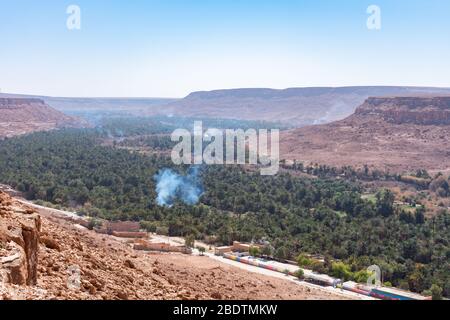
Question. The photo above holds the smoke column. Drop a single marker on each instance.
(171, 186)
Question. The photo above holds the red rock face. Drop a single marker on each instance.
(20, 116)
(30, 110)
(414, 110)
(423, 118)
(19, 243)
(396, 134)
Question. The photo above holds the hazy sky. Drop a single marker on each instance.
(169, 48)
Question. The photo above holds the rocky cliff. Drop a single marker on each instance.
(414, 110)
(19, 243)
(392, 133)
(47, 256)
(32, 110)
(23, 115)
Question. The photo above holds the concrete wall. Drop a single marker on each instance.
(130, 234)
(123, 226)
(159, 246)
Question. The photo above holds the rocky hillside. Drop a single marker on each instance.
(19, 116)
(295, 106)
(93, 109)
(397, 133)
(19, 243)
(414, 110)
(46, 257)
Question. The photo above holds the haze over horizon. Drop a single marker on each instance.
(173, 48)
(26, 94)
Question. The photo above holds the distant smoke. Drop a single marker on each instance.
(337, 110)
(116, 133)
(171, 186)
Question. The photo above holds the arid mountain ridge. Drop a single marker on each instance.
(24, 115)
(390, 133)
(89, 107)
(293, 106)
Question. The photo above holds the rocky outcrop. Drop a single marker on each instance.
(23, 115)
(399, 134)
(414, 110)
(19, 243)
(17, 103)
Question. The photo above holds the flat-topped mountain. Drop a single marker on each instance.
(294, 106)
(395, 133)
(22, 110)
(23, 115)
(92, 108)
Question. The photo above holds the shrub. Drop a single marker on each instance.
(94, 223)
(341, 270)
(201, 250)
(436, 292)
(361, 276)
(148, 226)
(254, 251)
(300, 274)
(303, 261)
(317, 266)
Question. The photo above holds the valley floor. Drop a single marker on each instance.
(110, 269)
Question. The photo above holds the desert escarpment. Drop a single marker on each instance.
(294, 107)
(23, 115)
(414, 110)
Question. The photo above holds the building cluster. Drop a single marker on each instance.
(236, 247)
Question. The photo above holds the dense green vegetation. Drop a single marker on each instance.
(133, 126)
(419, 179)
(295, 215)
(154, 142)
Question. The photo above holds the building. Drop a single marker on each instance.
(220, 251)
(145, 245)
(236, 247)
(244, 247)
(123, 226)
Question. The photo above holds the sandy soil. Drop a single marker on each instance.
(107, 268)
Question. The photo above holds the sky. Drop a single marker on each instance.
(169, 48)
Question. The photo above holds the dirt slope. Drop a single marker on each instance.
(19, 116)
(399, 134)
(75, 263)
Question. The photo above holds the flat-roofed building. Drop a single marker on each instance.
(220, 251)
